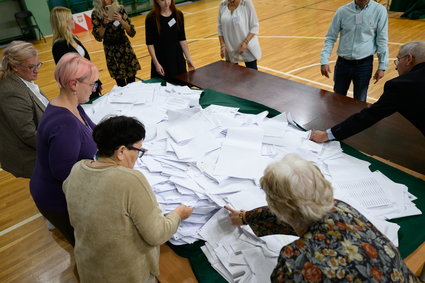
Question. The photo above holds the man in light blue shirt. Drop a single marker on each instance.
(362, 26)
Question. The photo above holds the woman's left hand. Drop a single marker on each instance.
(243, 47)
(190, 66)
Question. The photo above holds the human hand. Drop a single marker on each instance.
(105, 20)
(159, 69)
(190, 66)
(183, 211)
(325, 70)
(117, 17)
(223, 51)
(378, 75)
(235, 216)
(319, 136)
(243, 47)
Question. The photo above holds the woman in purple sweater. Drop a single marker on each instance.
(64, 137)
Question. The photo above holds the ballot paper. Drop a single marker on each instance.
(240, 154)
(213, 157)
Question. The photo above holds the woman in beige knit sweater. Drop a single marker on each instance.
(117, 223)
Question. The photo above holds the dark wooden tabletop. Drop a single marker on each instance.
(393, 138)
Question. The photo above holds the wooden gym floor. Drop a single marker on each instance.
(291, 37)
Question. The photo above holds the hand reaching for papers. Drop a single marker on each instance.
(236, 216)
(319, 136)
(183, 211)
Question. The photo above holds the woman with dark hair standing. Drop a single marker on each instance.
(120, 57)
(65, 41)
(166, 40)
(118, 223)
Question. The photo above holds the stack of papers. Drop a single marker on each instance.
(212, 157)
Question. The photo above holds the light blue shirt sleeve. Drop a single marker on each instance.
(331, 137)
(331, 38)
(362, 32)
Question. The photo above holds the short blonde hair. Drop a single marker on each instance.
(296, 191)
(72, 66)
(59, 17)
(14, 54)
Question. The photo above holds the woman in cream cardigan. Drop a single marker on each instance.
(117, 222)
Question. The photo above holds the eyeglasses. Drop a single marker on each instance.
(32, 68)
(93, 85)
(397, 60)
(140, 150)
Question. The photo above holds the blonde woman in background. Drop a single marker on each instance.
(120, 57)
(336, 242)
(65, 41)
(22, 105)
(238, 28)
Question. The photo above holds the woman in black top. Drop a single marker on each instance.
(64, 41)
(166, 40)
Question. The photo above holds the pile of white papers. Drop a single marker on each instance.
(208, 158)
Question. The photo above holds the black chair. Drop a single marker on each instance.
(24, 20)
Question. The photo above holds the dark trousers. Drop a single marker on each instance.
(252, 65)
(61, 221)
(357, 71)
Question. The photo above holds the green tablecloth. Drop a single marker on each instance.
(413, 9)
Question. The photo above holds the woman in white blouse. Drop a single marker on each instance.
(237, 31)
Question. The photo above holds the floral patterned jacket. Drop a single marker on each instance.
(342, 247)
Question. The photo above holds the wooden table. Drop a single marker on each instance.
(393, 138)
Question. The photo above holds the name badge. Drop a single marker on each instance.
(172, 22)
(358, 19)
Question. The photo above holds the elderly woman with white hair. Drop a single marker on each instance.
(336, 242)
(22, 105)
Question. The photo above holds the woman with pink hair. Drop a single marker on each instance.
(64, 137)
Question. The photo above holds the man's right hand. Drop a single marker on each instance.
(319, 136)
(325, 70)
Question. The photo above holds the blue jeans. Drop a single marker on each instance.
(358, 71)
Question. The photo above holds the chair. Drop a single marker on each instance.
(24, 20)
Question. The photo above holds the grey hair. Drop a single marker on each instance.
(296, 191)
(14, 54)
(415, 48)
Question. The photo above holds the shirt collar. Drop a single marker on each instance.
(357, 6)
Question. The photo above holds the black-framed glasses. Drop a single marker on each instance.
(32, 68)
(140, 150)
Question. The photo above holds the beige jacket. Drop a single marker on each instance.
(117, 223)
(20, 112)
